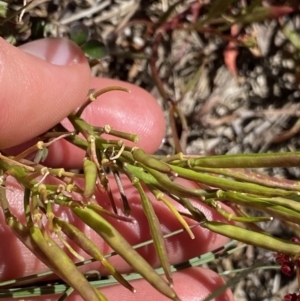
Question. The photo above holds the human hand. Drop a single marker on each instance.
(40, 85)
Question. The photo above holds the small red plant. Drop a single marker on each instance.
(288, 266)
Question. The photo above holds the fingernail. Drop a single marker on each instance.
(56, 51)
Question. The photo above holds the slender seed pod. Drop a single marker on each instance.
(155, 230)
(90, 175)
(173, 187)
(65, 266)
(23, 233)
(162, 182)
(90, 248)
(245, 175)
(266, 205)
(123, 135)
(254, 238)
(140, 156)
(227, 184)
(282, 159)
(124, 249)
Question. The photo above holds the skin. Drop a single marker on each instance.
(43, 82)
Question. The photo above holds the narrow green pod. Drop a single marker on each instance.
(123, 135)
(65, 266)
(124, 249)
(23, 233)
(155, 230)
(234, 217)
(288, 203)
(172, 187)
(162, 182)
(228, 184)
(90, 176)
(90, 248)
(268, 206)
(284, 159)
(254, 238)
(140, 156)
(246, 175)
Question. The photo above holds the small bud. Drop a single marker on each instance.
(287, 268)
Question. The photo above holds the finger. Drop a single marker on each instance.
(189, 284)
(41, 83)
(134, 112)
(180, 247)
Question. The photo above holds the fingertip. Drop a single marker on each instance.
(38, 91)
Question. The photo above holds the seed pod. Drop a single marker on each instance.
(123, 135)
(282, 159)
(59, 259)
(90, 248)
(140, 156)
(23, 233)
(267, 205)
(90, 175)
(155, 230)
(254, 238)
(228, 184)
(124, 249)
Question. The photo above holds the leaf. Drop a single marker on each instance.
(3, 9)
(38, 27)
(95, 49)
(79, 33)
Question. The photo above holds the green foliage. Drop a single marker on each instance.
(94, 49)
(79, 33)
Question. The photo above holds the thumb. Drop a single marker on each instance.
(41, 82)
